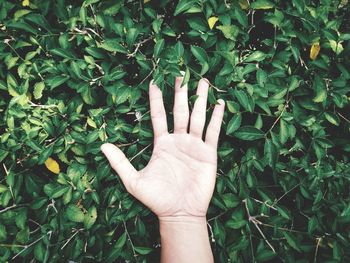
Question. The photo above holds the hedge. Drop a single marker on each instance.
(75, 74)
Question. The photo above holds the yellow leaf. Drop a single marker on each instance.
(314, 50)
(52, 165)
(212, 20)
(146, 1)
(25, 3)
(243, 4)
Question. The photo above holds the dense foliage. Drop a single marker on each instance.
(75, 74)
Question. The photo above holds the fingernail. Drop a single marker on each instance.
(221, 101)
(178, 80)
(104, 147)
(204, 81)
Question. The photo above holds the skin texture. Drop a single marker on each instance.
(178, 182)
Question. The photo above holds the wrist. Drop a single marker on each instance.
(182, 224)
(183, 219)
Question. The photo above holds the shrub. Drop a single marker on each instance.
(75, 74)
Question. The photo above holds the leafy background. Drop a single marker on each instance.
(75, 74)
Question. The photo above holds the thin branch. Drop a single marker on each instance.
(31, 244)
(42, 106)
(69, 239)
(129, 238)
(11, 207)
(11, 245)
(138, 45)
(317, 246)
(265, 203)
(290, 190)
(253, 220)
(211, 232)
(347, 120)
(132, 158)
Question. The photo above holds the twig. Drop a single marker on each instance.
(265, 203)
(211, 232)
(347, 120)
(129, 238)
(42, 106)
(31, 244)
(316, 250)
(127, 144)
(219, 215)
(8, 208)
(138, 45)
(10, 187)
(210, 84)
(280, 228)
(279, 199)
(69, 239)
(253, 220)
(11, 245)
(132, 158)
(278, 118)
(52, 205)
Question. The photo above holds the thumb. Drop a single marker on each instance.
(120, 164)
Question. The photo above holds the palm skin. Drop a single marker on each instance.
(179, 179)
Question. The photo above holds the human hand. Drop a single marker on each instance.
(180, 177)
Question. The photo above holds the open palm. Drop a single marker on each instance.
(179, 179)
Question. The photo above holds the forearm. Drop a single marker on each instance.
(185, 239)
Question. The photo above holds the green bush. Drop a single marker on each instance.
(75, 74)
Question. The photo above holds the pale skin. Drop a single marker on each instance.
(178, 182)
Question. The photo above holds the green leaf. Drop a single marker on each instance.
(38, 90)
(320, 88)
(255, 56)
(262, 4)
(113, 45)
(284, 212)
(229, 31)
(234, 123)
(332, 118)
(183, 5)
(249, 133)
(39, 251)
(265, 255)
(179, 48)
(283, 132)
(59, 191)
(113, 7)
(158, 47)
(186, 77)
(312, 224)
(259, 122)
(90, 217)
(143, 250)
(244, 100)
(270, 151)
(231, 200)
(202, 57)
(236, 224)
(62, 53)
(261, 77)
(291, 240)
(55, 81)
(75, 214)
(241, 17)
(199, 53)
(114, 252)
(337, 47)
